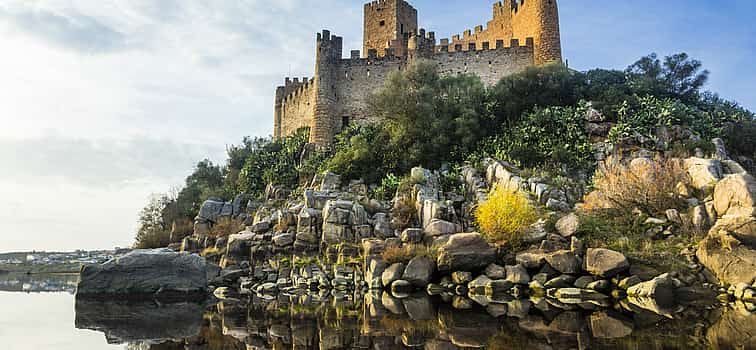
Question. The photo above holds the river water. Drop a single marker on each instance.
(42, 313)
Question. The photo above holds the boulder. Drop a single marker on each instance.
(392, 273)
(604, 262)
(283, 239)
(412, 235)
(563, 261)
(211, 209)
(149, 273)
(438, 227)
(660, 288)
(461, 277)
(419, 271)
(465, 252)
(478, 285)
(703, 173)
(731, 260)
(330, 182)
(517, 274)
(382, 226)
(568, 225)
(401, 287)
(735, 191)
(496, 272)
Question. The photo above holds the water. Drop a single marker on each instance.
(56, 320)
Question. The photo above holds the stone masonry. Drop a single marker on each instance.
(521, 33)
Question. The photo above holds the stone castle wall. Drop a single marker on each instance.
(521, 33)
(296, 108)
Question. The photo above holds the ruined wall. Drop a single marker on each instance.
(296, 108)
(385, 24)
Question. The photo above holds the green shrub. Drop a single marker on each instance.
(547, 137)
(387, 189)
(273, 162)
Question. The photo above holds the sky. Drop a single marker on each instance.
(104, 103)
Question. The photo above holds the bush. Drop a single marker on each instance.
(406, 252)
(273, 162)
(549, 137)
(364, 152)
(505, 216)
(648, 185)
(387, 189)
(549, 85)
(741, 139)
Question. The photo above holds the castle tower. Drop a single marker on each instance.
(388, 24)
(278, 112)
(328, 52)
(538, 19)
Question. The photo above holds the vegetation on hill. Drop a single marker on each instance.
(533, 119)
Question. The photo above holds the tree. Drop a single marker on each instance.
(153, 231)
(430, 119)
(678, 76)
(545, 86)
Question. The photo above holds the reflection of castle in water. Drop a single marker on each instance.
(381, 321)
(38, 283)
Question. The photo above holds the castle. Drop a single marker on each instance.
(521, 33)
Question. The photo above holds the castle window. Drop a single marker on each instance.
(383, 23)
(402, 26)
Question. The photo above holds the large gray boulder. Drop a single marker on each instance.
(211, 209)
(419, 271)
(604, 262)
(465, 252)
(143, 274)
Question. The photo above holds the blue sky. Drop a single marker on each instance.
(105, 102)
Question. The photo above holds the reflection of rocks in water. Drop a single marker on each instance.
(139, 321)
(381, 321)
(735, 329)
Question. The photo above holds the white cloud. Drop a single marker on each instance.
(104, 102)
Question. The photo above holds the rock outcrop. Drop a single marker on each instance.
(144, 274)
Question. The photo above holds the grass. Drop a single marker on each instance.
(406, 252)
(626, 234)
(505, 216)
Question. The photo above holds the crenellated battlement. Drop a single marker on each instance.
(512, 45)
(520, 33)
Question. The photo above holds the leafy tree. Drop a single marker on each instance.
(273, 162)
(153, 231)
(364, 151)
(545, 86)
(677, 76)
(430, 118)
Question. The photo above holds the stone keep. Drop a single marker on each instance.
(521, 33)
